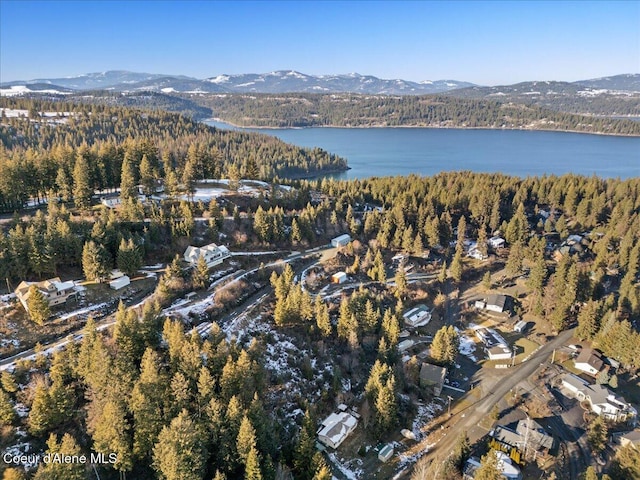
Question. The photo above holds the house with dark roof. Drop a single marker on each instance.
(631, 438)
(432, 377)
(589, 361)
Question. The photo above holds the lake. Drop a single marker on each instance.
(427, 151)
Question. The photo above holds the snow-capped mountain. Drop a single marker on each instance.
(282, 81)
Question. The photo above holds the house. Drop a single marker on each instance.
(589, 361)
(602, 401)
(535, 435)
(385, 453)
(497, 303)
(339, 277)
(496, 242)
(499, 352)
(120, 282)
(336, 428)
(341, 241)
(631, 438)
(507, 466)
(418, 316)
(212, 253)
(54, 291)
(432, 377)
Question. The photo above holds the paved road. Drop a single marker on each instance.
(469, 418)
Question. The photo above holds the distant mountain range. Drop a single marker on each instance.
(274, 82)
(290, 81)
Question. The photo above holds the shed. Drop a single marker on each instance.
(520, 326)
(341, 240)
(339, 277)
(385, 453)
(120, 282)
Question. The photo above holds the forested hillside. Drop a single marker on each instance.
(43, 141)
(350, 110)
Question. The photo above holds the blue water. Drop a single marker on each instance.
(427, 151)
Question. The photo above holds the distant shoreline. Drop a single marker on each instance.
(257, 127)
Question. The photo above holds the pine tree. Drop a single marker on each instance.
(200, 278)
(82, 188)
(38, 306)
(61, 470)
(111, 434)
(7, 413)
(489, 469)
(128, 179)
(305, 449)
(146, 405)
(13, 474)
(246, 440)
(597, 434)
(588, 321)
(456, 267)
(8, 382)
(252, 467)
(401, 283)
(147, 177)
(129, 259)
(95, 261)
(486, 281)
(40, 416)
(323, 321)
(514, 262)
(445, 345)
(180, 453)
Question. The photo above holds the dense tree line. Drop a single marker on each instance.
(84, 148)
(352, 110)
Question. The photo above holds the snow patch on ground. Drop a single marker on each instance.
(468, 347)
(425, 414)
(83, 311)
(346, 468)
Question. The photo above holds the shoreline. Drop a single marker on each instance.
(519, 129)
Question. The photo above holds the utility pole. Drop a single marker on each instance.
(526, 436)
(449, 409)
(553, 357)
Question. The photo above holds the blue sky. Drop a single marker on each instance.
(487, 43)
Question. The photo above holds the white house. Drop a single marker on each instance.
(497, 303)
(418, 316)
(336, 428)
(499, 352)
(589, 361)
(212, 253)
(53, 290)
(341, 241)
(603, 401)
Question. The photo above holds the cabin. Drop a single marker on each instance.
(336, 428)
(111, 202)
(497, 303)
(213, 254)
(341, 240)
(54, 291)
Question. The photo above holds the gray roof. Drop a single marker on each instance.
(432, 374)
(497, 300)
(633, 437)
(538, 437)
